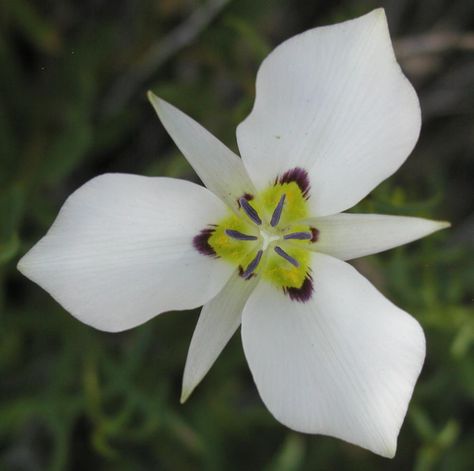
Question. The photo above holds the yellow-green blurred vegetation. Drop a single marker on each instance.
(73, 81)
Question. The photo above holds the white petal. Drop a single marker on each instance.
(120, 250)
(217, 166)
(333, 101)
(342, 364)
(348, 236)
(218, 321)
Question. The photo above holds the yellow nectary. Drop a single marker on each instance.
(284, 261)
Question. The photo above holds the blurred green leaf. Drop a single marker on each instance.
(257, 44)
(291, 455)
(33, 25)
(11, 207)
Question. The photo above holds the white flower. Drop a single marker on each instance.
(264, 246)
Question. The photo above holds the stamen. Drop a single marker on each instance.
(250, 211)
(299, 236)
(252, 265)
(287, 257)
(314, 234)
(239, 235)
(278, 210)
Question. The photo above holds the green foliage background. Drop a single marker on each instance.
(73, 77)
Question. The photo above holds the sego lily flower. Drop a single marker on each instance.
(266, 244)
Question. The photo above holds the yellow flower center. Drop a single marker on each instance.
(266, 238)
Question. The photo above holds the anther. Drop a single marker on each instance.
(299, 236)
(287, 257)
(252, 265)
(250, 211)
(239, 235)
(278, 210)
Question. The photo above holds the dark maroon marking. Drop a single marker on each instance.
(201, 243)
(252, 266)
(278, 210)
(250, 211)
(286, 256)
(299, 176)
(239, 235)
(314, 234)
(299, 236)
(302, 294)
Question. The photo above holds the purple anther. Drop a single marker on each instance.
(239, 235)
(278, 210)
(298, 236)
(287, 257)
(250, 211)
(252, 265)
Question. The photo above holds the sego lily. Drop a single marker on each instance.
(265, 244)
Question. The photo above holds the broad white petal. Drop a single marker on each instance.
(120, 251)
(333, 101)
(218, 167)
(342, 364)
(346, 236)
(218, 321)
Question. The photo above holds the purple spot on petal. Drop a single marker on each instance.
(299, 176)
(302, 294)
(201, 243)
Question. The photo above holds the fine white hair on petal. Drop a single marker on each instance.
(333, 101)
(346, 236)
(342, 364)
(218, 321)
(121, 251)
(219, 168)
